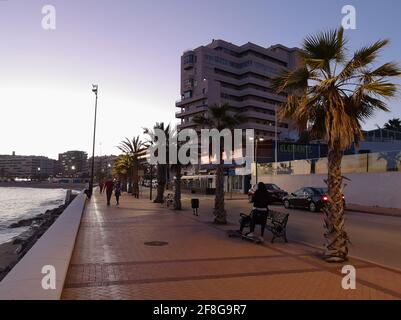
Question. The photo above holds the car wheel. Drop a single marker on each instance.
(312, 207)
(286, 204)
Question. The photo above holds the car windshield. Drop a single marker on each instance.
(319, 190)
(272, 186)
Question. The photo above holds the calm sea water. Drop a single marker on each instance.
(22, 203)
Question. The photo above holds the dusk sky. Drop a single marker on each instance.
(132, 50)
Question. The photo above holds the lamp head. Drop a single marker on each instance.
(94, 88)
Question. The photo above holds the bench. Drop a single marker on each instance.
(276, 223)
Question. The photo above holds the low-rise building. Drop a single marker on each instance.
(26, 167)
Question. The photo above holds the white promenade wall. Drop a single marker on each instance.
(54, 248)
(367, 189)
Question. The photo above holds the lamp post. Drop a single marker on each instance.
(94, 90)
(257, 139)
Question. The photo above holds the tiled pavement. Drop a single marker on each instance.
(199, 261)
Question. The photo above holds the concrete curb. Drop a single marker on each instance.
(54, 248)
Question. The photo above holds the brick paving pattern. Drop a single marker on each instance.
(199, 261)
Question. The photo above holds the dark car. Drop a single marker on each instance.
(276, 194)
(311, 198)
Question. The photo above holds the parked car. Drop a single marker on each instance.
(312, 198)
(276, 194)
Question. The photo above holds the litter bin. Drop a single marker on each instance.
(195, 206)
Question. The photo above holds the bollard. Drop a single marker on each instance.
(195, 206)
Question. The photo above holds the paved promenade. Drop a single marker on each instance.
(142, 250)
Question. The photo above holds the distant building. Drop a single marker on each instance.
(222, 72)
(73, 164)
(103, 166)
(26, 167)
(379, 140)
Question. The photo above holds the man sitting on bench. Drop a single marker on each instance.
(260, 210)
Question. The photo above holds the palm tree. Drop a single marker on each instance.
(132, 148)
(162, 168)
(177, 169)
(218, 117)
(122, 168)
(393, 125)
(331, 94)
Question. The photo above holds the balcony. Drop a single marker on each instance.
(181, 114)
(183, 101)
(189, 60)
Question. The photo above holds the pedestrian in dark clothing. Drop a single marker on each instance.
(260, 210)
(101, 186)
(109, 190)
(117, 192)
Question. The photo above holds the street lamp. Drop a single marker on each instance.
(257, 139)
(94, 90)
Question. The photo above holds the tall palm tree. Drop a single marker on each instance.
(132, 148)
(162, 168)
(218, 117)
(177, 169)
(331, 94)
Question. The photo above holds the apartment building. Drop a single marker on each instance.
(222, 72)
(26, 167)
(73, 164)
(102, 166)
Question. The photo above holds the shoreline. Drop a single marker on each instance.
(44, 185)
(11, 252)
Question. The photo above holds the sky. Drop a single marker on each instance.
(132, 50)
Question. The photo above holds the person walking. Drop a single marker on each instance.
(117, 192)
(101, 186)
(109, 190)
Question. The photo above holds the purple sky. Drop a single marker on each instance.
(132, 50)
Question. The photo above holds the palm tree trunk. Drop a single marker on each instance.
(124, 183)
(161, 181)
(130, 180)
(336, 237)
(219, 211)
(135, 186)
(177, 188)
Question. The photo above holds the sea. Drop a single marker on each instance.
(22, 203)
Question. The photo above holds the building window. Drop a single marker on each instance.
(191, 58)
(187, 94)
